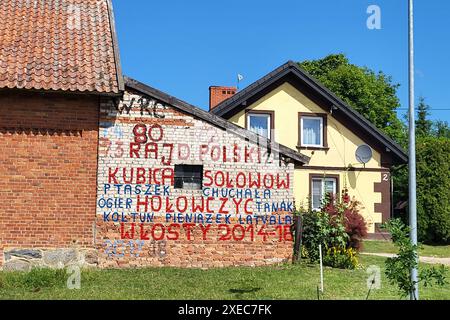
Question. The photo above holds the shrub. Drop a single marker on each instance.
(355, 225)
(433, 190)
(339, 228)
(341, 258)
(398, 268)
(319, 228)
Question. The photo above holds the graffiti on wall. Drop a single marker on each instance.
(239, 199)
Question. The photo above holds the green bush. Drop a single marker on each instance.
(319, 228)
(341, 258)
(338, 227)
(354, 222)
(433, 190)
(398, 268)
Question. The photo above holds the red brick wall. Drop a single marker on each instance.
(51, 159)
(48, 163)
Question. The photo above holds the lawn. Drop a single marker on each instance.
(384, 246)
(275, 282)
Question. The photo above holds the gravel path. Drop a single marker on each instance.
(433, 260)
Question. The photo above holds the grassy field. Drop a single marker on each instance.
(281, 282)
(424, 250)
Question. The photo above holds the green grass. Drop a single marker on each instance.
(388, 247)
(275, 282)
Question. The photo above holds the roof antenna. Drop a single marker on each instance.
(240, 77)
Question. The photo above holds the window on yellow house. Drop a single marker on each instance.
(320, 187)
(260, 122)
(312, 130)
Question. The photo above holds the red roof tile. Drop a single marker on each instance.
(59, 45)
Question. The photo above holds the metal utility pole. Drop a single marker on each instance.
(412, 152)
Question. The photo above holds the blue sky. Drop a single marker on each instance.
(182, 47)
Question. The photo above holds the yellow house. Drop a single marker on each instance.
(346, 151)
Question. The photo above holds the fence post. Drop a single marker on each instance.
(298, 238)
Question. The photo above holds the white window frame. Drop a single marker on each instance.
(269, 121)
(303, 135)
(322, 191)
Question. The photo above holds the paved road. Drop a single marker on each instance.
(433, 260)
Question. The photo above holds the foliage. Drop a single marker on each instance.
(400, 182)
(355, 225)
(433, 189)
(339, 228)
(343, 258)
(320, 228)
(398, 268)
(371, 94)
(441, 129)
(423, 124)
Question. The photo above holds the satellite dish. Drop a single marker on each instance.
(363, 153)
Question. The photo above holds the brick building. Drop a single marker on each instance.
(106, 171)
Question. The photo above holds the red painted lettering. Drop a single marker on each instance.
(112, 176)
(134, 150)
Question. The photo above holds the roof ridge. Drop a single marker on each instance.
(348, 106)
(234, 102)
(211, 118)
(115, 41)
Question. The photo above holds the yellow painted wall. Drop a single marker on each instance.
(359, 184)
(286, 101)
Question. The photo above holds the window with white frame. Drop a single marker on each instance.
(320, 187)
(311, 131)
(260, 123)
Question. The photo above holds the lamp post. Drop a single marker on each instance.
(412, 152)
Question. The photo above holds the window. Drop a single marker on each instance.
(260, 123)
(312, 130)
(320, 187)
(189, 177)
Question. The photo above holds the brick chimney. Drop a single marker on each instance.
(218, 94)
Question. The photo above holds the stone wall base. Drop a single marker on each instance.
(26, 259)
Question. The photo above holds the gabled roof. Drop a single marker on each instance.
(308, 85)
(67, 45)
(214, 120)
